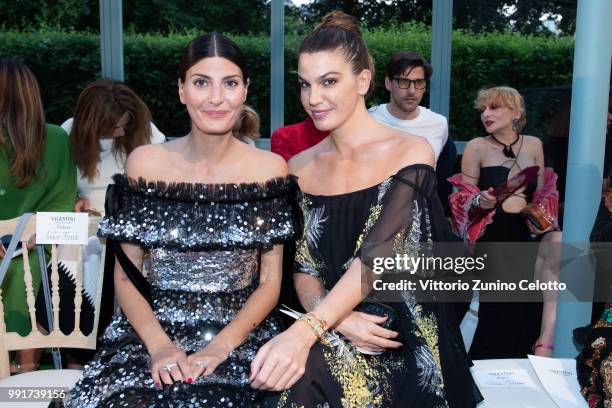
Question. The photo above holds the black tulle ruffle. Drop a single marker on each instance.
(191, 216)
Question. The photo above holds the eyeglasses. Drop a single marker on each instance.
(404, 83)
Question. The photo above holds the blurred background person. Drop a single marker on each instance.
(110, 121)
(406, 78)
(293, 139)
(37, 173)
(506, 330)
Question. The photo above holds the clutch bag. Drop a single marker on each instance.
(538, 216)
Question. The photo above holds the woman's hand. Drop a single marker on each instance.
(82, 204)
(535, 231)
(363, 331)
(169, 364)
(281, 362)
(487, 200)
(206, 361)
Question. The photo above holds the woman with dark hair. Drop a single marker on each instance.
(366, 186)
(37, 173)
(213, 212)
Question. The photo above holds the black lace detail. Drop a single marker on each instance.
(191, 217)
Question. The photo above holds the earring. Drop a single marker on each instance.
(515, 125)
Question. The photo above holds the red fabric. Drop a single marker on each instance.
(548, 195)
(290, 140)
(461, 200)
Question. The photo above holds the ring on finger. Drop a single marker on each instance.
(199, 363)
(169, 367)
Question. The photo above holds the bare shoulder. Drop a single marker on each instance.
(299, 163)
(414, 149)
(147, 161)
(267, 164)
(475, 148)
(533, 141)
(476, 143)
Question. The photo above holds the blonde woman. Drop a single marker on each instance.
(506, 330)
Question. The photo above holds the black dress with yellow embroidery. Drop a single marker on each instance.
(432, 370)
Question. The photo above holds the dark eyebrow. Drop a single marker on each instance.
(200, 75)
(322, 76)
(224, 78)
(330, 73)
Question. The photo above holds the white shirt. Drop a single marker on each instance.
(428, 124)
(95, 190)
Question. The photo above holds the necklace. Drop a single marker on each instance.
(507, 150)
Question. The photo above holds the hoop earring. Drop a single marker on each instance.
(515, 125)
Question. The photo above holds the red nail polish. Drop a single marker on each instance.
(190, 380)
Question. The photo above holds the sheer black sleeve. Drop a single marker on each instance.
(407, 218)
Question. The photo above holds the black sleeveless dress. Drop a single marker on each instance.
(509, 329)
(432, 370)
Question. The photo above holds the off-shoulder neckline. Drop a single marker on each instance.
(404, 169)
(207, 192)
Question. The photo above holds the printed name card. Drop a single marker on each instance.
(67, 228)
(559, 379)
(503, 378)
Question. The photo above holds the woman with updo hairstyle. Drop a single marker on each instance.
(213, 214)
(367, 189)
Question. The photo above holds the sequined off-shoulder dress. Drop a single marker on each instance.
(205, 243)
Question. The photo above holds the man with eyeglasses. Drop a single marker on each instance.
(406, 80)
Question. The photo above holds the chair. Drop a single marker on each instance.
(10, 341)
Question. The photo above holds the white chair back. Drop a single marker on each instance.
(55, 338)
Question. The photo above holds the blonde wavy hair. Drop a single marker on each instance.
(504, 96)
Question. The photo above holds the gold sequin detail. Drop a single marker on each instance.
(362, 379)
(606, 376)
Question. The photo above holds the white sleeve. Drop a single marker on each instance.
(439, 135)
(67, 125)
(444, 132)
(156, 135)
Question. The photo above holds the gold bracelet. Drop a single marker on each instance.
(319, 326)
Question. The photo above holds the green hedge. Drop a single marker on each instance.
(65, 61)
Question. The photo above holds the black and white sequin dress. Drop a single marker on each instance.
(205, 243)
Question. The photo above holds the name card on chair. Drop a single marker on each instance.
(68, 228)
(504, 378)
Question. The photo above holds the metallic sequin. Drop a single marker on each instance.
(204, 267)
